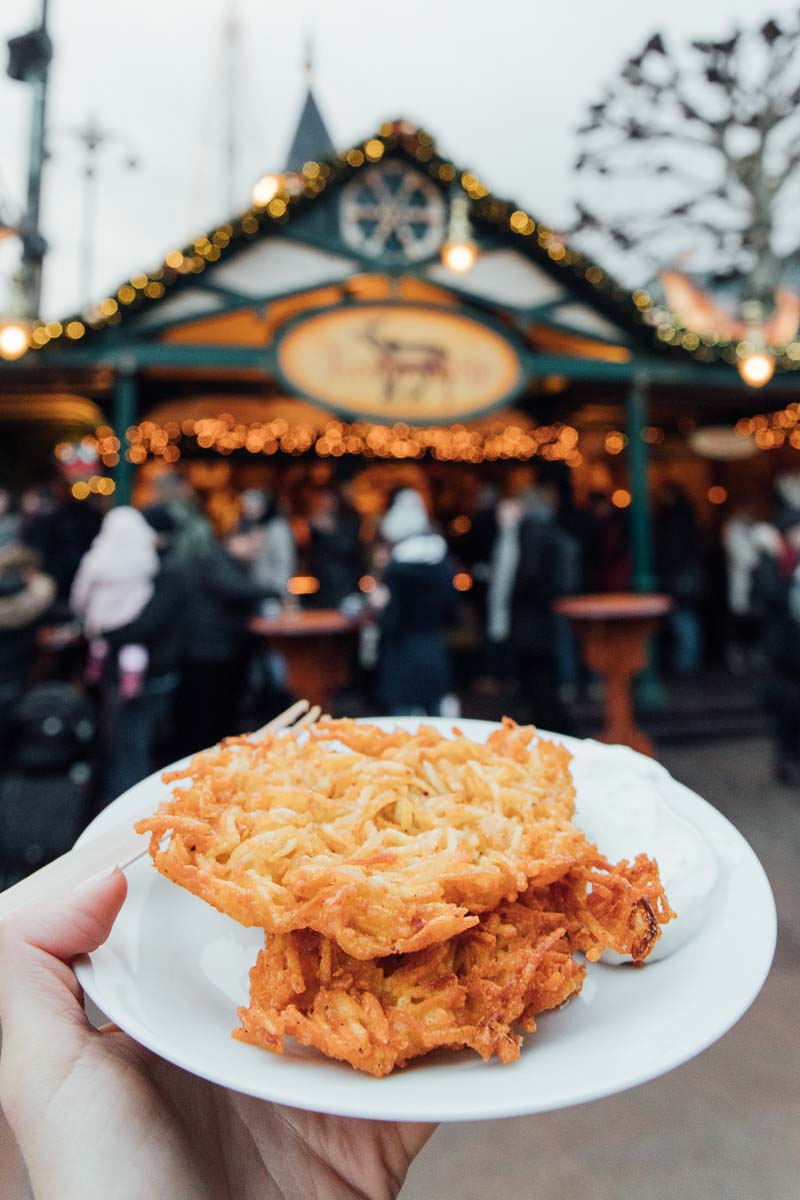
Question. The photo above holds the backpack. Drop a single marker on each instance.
(51, 729)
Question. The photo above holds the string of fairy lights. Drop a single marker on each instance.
(452, 443)
(772, 430)
(277, 198)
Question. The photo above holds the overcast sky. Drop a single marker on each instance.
(501, 86)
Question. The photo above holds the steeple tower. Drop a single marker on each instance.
(311, 140)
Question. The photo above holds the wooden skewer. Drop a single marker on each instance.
(311, 717)
(282, 721)
(117, 847)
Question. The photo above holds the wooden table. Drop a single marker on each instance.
(614, 630)
(317, 645)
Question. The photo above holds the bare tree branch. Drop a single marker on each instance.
(712, 134)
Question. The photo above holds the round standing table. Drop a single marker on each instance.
(614, 630)
(317, 645)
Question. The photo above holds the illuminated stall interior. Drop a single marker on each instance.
(379, 313)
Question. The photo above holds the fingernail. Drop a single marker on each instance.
(99, 877)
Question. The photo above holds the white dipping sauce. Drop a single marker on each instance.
(621, 805)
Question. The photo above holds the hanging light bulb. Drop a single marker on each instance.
(755, 364)
(266, 189)
(459, 251)
(14, 339)
(756, 369)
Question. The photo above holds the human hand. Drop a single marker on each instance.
(96, 1115)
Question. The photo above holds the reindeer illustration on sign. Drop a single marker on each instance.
(419, 362)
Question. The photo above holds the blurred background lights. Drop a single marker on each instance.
(13, 339)
(459, 251)
(266, 189)
(756, 369)
(303, 585)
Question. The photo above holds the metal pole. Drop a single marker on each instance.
(33, 244)
(124, 406)
(87, 232)
(650, 692)
(643, 577)
(230, 69)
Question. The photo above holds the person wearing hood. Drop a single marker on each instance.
(414, 664)
(130, 596)
(115, 578)
(139, 714)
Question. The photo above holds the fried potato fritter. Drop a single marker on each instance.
(416, 891)
(385, 842)
(472, 991)
(469, 991)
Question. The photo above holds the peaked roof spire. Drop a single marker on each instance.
(311, 140)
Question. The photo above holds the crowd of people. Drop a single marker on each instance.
(163, 605)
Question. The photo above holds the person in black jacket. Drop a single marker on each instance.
(222, 597)
(135, 720)
(420, 601)
(62, 536)
(681, 574)
(775, 599)
(25, 596)
(335, 549)
(547, 566)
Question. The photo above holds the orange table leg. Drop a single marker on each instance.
(617, 650)
(316, 667)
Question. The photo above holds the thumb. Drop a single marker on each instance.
(40, 998)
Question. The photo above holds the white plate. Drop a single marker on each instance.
(174, 970)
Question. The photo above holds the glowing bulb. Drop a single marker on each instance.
(266, 189)
(459, 251)
(757, 369)
(459, 256)
(13, 340)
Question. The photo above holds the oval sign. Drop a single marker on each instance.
(399, 361)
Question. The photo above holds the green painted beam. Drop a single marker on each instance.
(166, 355)
(143, 355)
(124, 411)
(650, 691)
(643, 576)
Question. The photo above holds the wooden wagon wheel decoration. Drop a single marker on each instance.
(393, 213)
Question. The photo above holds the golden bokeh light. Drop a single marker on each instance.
(459, 256)
(14, 340)
(756, 368)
